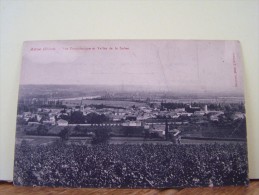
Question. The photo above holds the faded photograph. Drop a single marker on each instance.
(131, 114)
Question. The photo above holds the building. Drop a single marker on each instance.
(237, 115)
(191, 109)
(33, 123)
(131, 118)
(199, 113)
(132, 123)
(206, 109)
(62, 122)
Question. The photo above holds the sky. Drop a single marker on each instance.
(173, 65)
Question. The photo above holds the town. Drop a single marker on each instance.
(124, 118)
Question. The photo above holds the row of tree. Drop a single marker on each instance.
(77, 117)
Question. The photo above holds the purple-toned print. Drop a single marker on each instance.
(131, 114)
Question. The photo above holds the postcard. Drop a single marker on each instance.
(131, 114)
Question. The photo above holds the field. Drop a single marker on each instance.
(113, 103)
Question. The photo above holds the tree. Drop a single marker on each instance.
(64, 117)
(101, 136)
(77, 128)
(33, 119)
(127, 131)
(42, 130)
(80, 130)
(94, 118)
(64, 134)
(146, 133)
(63, 111)
(166, 130)
(24, 146)
(77, 118)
